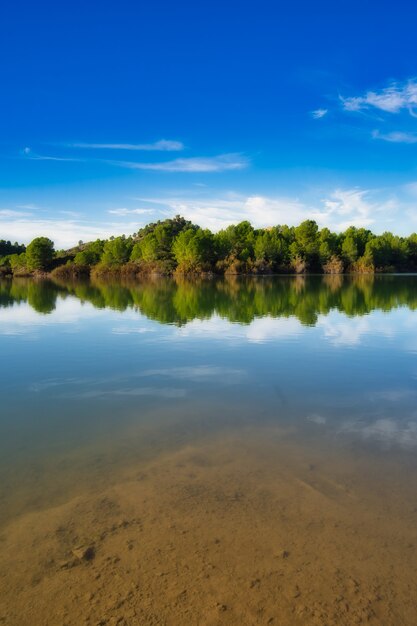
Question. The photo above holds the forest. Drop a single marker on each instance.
(177, 246)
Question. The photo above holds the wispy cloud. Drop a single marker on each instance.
(347, 207)
(220, 212)
(64, 232)
(338, 210)
(219, 163)
(32, 156)
(123, 211)
(393, 99)
(30, 207)
(163, 145)
(396, 137)
(319, 113)
(378, 209)
(13, 213)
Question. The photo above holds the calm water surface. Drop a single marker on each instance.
(86, 365)
(237, 451)
(109, 372)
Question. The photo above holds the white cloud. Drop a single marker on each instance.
(354, 207)
(217, 213)
(319, 113)
(342, 208)
(12, 213)
(163, 145)
(42, 157)
(64, 233)
(393, 99)
(30, 206)
(219, 163)
(396, 136)
(123, 211)
(338, 210)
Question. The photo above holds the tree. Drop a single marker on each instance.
(39, 254)
(193, 249)
(269, 246)
(116, 251)
(307, 243)
(91, 254)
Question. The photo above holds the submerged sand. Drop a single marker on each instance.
(243, 530)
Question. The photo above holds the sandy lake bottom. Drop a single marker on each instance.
(246, 528)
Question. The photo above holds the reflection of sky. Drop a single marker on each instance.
(386, 431)
(335, 329)
(354, 376)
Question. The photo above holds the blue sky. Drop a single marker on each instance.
(116, 114)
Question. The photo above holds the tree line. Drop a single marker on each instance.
(179, 246)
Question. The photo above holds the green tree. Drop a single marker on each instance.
(91, 254)
(307, 242)
(269, 246)
(193, 249)
(40, 254)
(116, 251)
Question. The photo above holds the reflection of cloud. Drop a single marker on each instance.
(341, 331)
(22, 319)
(316, 419)
(392, 395)
(127, 330)
(386, 431)
(350, 331)
(158, 392)
(50, 383)
(101, 386)
(260, 330)
(200, 373)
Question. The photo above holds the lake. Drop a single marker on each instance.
(209, 451)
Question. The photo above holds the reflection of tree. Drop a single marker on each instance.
(41, 295)
(238, 299)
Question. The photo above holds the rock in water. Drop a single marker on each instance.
(84, 553)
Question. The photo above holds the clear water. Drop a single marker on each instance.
(85, 364)
(101, 377)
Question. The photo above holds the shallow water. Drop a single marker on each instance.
(277, 412)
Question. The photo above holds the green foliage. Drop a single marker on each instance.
(306, 243)
(177, 245)
(117, 251)
(40, 254)
(7, 248)
(90, 254)
(270, 246)
(193, 250)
